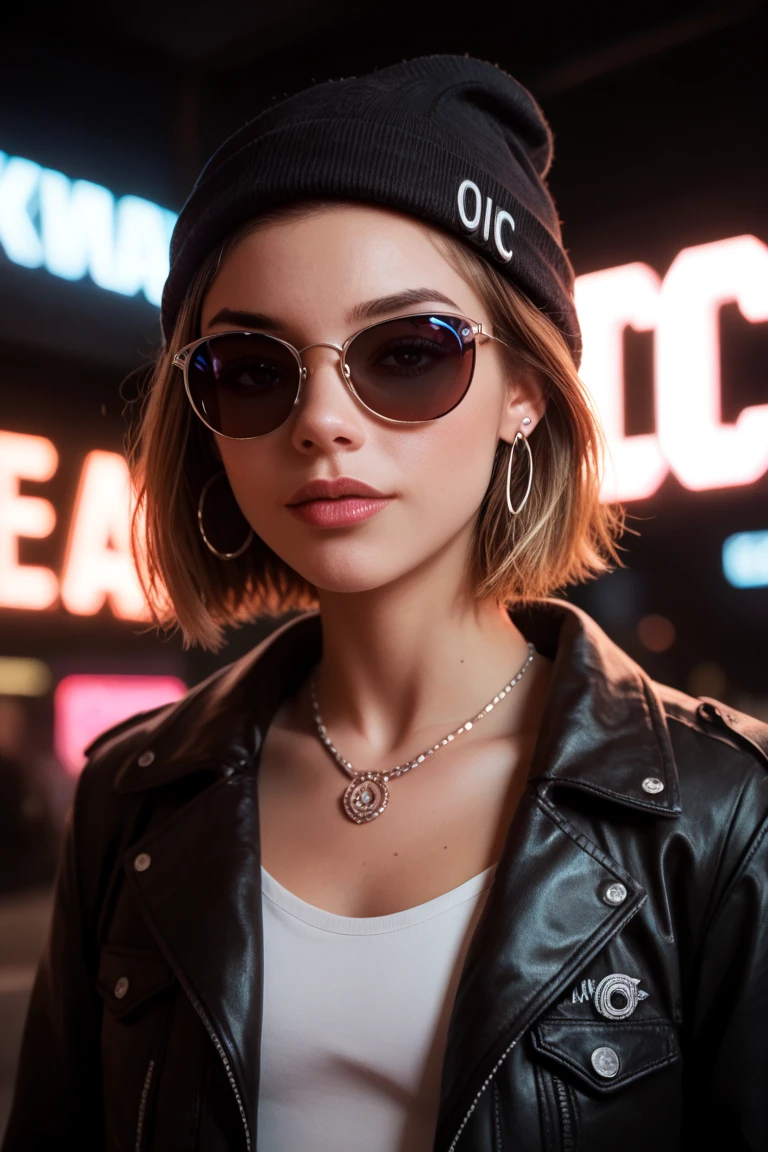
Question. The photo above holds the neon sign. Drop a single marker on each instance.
(74, 228)
(98, 567)
(682, 310)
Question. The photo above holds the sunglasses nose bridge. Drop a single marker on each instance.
(324, 344)
(321, 344)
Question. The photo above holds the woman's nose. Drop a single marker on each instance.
(325, 408)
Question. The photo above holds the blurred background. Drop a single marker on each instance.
(660, 172)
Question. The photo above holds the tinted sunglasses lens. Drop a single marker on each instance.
(242, 383)
(413, 368)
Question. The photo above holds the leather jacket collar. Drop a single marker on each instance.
(603, 728)
(603, 732)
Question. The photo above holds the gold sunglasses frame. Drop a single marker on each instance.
(182, 357)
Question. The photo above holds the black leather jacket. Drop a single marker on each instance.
(615, 994)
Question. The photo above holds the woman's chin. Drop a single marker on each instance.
(346, 574)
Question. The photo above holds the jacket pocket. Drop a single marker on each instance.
(601, 1085)
(604, 1057)
(136, 988)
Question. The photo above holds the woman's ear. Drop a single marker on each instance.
(526, 398)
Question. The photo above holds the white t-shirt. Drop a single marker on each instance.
(356, 1013)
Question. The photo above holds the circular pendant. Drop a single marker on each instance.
(366, 797)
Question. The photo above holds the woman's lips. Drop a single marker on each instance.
(340, 512)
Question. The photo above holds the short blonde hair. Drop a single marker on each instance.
(564, 534)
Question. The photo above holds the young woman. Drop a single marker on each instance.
(436, 865)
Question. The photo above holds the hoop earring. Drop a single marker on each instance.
(524, 438)
(200, 503)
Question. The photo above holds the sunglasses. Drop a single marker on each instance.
(407, 370)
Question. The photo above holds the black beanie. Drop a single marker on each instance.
(451, 139)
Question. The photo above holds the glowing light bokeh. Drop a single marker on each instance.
(745, 559)
(656, 633)
(85, 705)
(24, 676)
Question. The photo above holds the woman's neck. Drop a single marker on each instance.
(398, 672)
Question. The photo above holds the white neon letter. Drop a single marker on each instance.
(27, 458)
(142, 238)
(701, 450)
(77, 228)
(608, 302)
(18, 183)
(99, 563)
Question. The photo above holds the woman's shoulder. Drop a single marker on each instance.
(714, 734)
(721, 761)
(219, 718)
(147, 745)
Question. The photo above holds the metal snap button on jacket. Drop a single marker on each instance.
(615, 893)
(605, 1062)
(142, 862)
(146, 758)
(121, 987)
(653, 784)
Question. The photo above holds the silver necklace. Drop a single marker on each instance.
(367, 795)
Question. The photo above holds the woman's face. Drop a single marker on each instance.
(310, 275)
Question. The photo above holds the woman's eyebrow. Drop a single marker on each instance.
(245, 319)
(367, 311)
(397, 300)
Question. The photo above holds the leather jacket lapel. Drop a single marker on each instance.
(221, 720)
(200, 893)
(542, 923)
(602, 732)
(197, 880)
(603, 729)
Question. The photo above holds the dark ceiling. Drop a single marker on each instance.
(576, 40)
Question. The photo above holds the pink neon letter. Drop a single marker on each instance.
(99, 562)
(28, 458)
(608, 302)
(701, 450)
